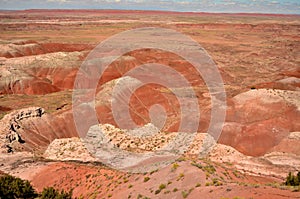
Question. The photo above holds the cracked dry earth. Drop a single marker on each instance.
(257, 56)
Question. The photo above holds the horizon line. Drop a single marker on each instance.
(146, 10)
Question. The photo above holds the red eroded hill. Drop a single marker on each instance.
(260, 119)
(41, 72)
(28, 48)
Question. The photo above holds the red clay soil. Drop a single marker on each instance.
(60, 77)
(4, 109)
(146, 96)
(97, 181)
(85, 180)
(31, 87)
(40, 85)
(140, 104)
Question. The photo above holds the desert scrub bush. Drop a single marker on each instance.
(207, 168)
(236, 173)
(146, 179)
(292, 180)
(151, 172)
(130, 186)
(12, 187)
(161, 187)
(175, 189)
(174, 166)
(256, 186)
(94, 195)
(125, 180)
(51, 193)
(198, 185)
(181, 159)
(273, 184)
(216, 182)
(181, 176)
(81, 196)
(207, 184)
(207, 175)
(185, 193)
(140, 196)
(225, 173)
(196, 165)
(87, 176)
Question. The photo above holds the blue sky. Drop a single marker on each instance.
(257, 6)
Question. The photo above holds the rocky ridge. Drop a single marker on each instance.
(11, 127)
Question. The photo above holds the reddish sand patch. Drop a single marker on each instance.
(85, 180)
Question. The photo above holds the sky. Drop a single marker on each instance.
(226, 6)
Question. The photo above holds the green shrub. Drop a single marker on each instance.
(186, 193)
(162, 186)
(181, 176)
(51, 193)
(146, 179)
(197, 165)
(216, 182)
(153, 171)
(174, 166)
(208, 168)
(12, 187)
(292, 180)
